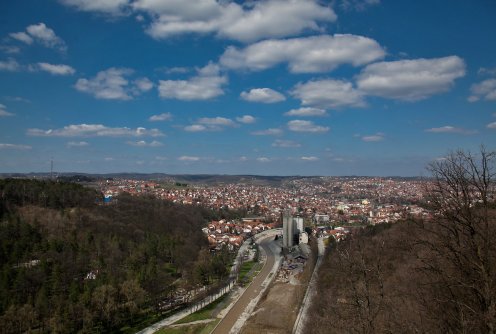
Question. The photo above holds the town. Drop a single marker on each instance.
(330, 205)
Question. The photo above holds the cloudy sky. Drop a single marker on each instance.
(272, 87)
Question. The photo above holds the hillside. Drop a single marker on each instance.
(70, 264)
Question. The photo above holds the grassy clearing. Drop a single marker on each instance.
(247, 271)
(203, 314)
(192, 329)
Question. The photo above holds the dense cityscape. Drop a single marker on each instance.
(326, 201)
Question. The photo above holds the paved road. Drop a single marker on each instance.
(250, 293)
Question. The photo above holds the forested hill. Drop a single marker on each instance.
(70, 264)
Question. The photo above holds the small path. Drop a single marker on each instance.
(206, 321)
(310, 293)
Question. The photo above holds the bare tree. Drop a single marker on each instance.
(458, 249)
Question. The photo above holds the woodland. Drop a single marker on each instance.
(70, 263)
(419, 276)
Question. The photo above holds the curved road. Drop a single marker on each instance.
(250, 293)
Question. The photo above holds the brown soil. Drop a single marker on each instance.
(277, 311)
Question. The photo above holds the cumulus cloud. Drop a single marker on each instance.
(207, 84)
(94, 130)
(411, 80)
(4, 112)
(358, 5)
(374, 138)
(311, 158)
(41, 34)
(9, 49)
(143, 143)
(306, 112)
(243, 22)
(246, 119)
(4, 146)
(451, 129)
(112, 84)
(306, 126)
(161, 117)
(216, 121)
(10, 65)
(195, 128)
(313, 54)
(188, 158)
(285, 143)
(491, 125)
(263, 159)
(484, 90)
(210, 124)
(22, 36)
(328, 93)
(143, 84)
(268, 132)
(113, 7)
(263, 95)
(59, 69)
(77, 144)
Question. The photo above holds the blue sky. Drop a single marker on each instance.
(273, 87)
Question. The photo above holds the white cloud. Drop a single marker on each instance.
(94, 130)
(207, 84)
(268, 132)
(22, 36)
(14, 147)
(41, 34)
(56, 69)
(4, 112)
(306, 112)
(161, 158)
(374, 138)
(188, 158)
(210, 124)
(110, 84)
(77, 144)
(10, 65)
(313, 54)
(246, 119)
(310, 158)
(9, 49)
(485, 89)
(114, 7)
(143, 143)
(451, 129)
(411, 79)
(247, 23)
(306, 126)
(195, 128)
(216, 121)
(487, 71)
(143, 84)
(285, 143)
(263, 95)
(491, 125)
(328, 93)
(358, 5)
(161, 117)
(263, 159)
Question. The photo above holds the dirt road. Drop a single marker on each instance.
(251, 292)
